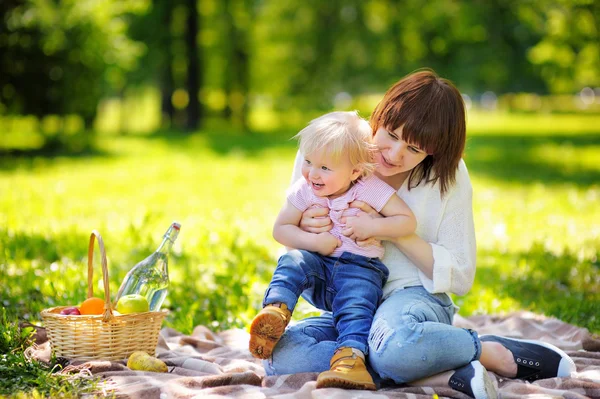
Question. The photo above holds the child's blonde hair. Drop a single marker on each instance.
(341, 134)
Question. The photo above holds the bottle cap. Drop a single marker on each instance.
(176, 225)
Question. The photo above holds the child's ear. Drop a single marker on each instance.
(357, 172)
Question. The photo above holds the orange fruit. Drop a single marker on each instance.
(92, 306)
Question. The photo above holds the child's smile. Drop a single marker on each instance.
(317, 186)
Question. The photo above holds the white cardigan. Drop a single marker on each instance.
(446, 223)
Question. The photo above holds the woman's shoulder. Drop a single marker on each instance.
(461, 189)
(462, 176)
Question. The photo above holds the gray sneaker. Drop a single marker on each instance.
(473, 380)
(536, 360)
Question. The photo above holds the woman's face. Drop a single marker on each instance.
(394, 155)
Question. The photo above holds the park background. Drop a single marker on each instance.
(124, 115)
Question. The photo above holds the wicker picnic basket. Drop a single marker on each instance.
(107, 336)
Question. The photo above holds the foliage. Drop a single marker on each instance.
(22, 377)
(63, 57)
(13, 338)
(566, 54)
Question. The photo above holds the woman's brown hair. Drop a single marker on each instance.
(432, 113)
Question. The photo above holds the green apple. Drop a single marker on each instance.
(132, 303)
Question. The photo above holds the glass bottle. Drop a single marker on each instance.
(150, 277)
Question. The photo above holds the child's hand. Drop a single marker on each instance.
(327, 243)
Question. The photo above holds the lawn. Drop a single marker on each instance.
(536, 181)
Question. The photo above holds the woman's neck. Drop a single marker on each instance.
(396, 180)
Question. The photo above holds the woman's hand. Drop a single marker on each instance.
(316, 220)
(358, 227)
(366, 208)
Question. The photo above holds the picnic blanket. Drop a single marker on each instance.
(218, 365)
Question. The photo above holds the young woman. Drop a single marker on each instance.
(419, 129)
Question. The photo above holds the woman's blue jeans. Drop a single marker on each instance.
(349, 285)
(411, 337)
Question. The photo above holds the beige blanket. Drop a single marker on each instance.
(206, 364)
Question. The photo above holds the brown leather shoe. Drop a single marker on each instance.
(347, 370)
(266, 329)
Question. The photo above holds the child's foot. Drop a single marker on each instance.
(266, 329)
(347, 370)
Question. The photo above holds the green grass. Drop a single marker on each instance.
(22, 377)
(535, 178)
(536, 181)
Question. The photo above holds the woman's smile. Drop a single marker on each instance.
(385, 163)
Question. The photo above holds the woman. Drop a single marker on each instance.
(419, 128)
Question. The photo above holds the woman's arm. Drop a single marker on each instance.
(454, 248)
(447, 264)
(419, 251)
(414, 247)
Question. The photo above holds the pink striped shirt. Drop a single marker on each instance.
(370, 190)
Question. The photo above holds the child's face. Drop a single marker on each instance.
(326, 177)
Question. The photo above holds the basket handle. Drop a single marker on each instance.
(108, 314)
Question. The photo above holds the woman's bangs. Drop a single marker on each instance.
(419, 134)
(414, 130)
(393, 117)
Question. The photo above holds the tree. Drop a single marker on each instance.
(61, 58)
(238, 22)
(194, 74)
(167, 82)
(567, 54)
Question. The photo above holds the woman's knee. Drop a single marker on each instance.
(393, 349)
(407, 348)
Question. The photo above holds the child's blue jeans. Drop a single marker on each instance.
(349, 286)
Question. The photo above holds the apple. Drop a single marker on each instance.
(132, 303)
(70, 311)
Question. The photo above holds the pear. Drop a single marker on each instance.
(144, 362)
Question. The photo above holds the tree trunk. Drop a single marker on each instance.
(316, 79)
(193, 73)
(167, 84)
(228, 72)
(237, 85)
(123, 120)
